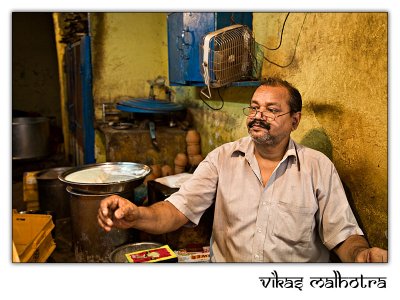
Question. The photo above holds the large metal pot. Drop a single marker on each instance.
(30, 137)
(106, 178)
(91, 243)
(87, 186)
(52, 192)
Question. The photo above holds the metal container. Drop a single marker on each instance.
(90, 242)
(52, 192)
(118, 255)
(30, 138)
(106, 178)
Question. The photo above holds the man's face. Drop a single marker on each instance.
(273, 101)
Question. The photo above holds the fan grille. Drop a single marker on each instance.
(230, 57)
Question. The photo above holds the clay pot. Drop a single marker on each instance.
(192, 137)
(149, 177)
(179, 169)
(156, 170)
(181, 160)
(166, 170)
(155, 173)
(195, 160)
(193, 149)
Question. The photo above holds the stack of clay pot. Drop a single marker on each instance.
(158, 171)
(192, 157)
(193, 147)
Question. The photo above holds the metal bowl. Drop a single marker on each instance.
(122, 126)
(118, 255)
(105, 178)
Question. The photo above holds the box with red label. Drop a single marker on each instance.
(161, 254)
(193, 256)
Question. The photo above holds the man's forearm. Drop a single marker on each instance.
(159, 218)
(348, 250)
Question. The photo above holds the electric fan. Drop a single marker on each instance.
(227, 56)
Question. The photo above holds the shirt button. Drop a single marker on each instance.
(259, 229)
(256, 256)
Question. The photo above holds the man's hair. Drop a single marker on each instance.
(295, 101)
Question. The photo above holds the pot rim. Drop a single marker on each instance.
(83, 193)
(58, 170)
(90, 166)
(29, 120)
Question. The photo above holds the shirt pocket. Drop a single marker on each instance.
(294, 225)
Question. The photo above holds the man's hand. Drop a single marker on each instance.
(356, 249)
(115, 211)
(372, 255)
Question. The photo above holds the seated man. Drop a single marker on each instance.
(275, 200)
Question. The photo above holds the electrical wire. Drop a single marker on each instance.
(280, 41)
(281, 66)
(232, 19)
(294, 53)
(213, 108)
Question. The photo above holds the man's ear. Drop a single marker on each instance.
(296, 120)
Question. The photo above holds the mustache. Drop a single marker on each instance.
(260, 123)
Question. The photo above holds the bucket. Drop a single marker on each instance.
(90, 242)
(52, 192)
(30, 138)
(118, 255)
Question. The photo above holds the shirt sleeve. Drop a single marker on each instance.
(198, 193)
(337, 221)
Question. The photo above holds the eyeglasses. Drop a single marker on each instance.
(269, 115)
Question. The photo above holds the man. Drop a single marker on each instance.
(275, 200)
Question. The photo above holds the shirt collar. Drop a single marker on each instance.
(292, 150)
(246, 146)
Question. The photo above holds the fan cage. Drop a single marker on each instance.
(230, 57)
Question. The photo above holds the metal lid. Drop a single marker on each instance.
(105, 173)
(146, 105)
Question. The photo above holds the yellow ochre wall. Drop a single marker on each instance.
(341, 70)
(127, 50)
(340, 67)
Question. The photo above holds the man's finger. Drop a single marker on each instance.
(119, 213)
(103, 224)
(109, 203)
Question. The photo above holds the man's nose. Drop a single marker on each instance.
(259, 115)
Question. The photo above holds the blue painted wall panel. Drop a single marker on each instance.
(185, 34)
(87, 98)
